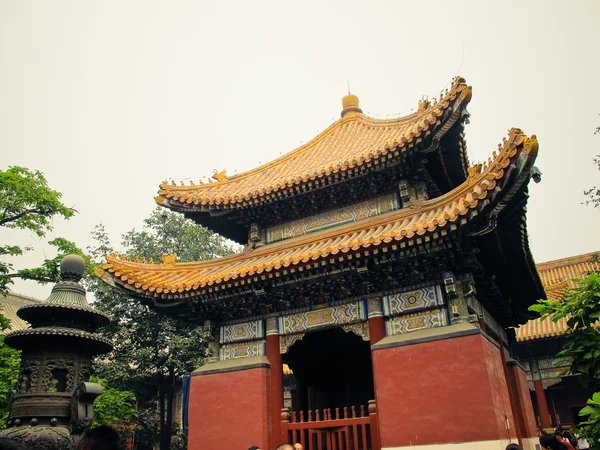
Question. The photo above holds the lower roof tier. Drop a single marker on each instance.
(473, 209)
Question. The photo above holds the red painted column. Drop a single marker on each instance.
(540, 395)
(274, 357)
(376, 329)
(376, 320)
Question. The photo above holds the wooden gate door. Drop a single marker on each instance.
(342, 430)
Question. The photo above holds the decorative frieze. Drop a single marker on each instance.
(242, 350)
(545, 370)
(323, 318)
(285, 342)
(411, 301)
(241, 332)
(340, 216)
(416, 321)
(360, 329)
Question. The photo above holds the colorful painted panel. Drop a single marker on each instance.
(335, 315)
(410, 301)
(242, 350)
(242, 332)
(416, 321)
(352, 213)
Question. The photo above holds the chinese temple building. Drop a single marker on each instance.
(556, 401)
(385, 270)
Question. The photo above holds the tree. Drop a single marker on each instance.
(10, 360)
(115, 407)
(28, 203)
(581, 308)
(153, 351)
(593, 194)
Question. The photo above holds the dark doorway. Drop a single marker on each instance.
(332, 369)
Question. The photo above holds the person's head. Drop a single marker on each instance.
(254, 447)
(513, 447)
(541, 432)
(559, 431)
(298, 446)
(9, 444)
(102, 437)
(285, 447)
(551, 442)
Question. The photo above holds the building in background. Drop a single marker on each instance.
(9, 305)
(556, 401)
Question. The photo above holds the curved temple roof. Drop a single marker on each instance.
(479, 193)
(350, 142)
(557, 277)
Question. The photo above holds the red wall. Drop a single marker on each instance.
(229, 410)
(444, 391)
(527, 406)
(501, 405)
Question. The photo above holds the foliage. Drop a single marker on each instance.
(593, 194)
(581, 309)
(115, 407)
(152, 351)
(10, 360)
(49, 271)
(28, 203)
(592, 410)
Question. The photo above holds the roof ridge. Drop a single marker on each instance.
(566, 261)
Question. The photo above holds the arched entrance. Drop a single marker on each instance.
(332, 369)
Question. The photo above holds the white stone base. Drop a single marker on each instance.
(479, 445)
(531, 443)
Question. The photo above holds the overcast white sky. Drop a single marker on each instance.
(108, 98)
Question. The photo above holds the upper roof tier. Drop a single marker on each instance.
(352, 145)
(557, 277)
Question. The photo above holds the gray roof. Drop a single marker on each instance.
(9, 306)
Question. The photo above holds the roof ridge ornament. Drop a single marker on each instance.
(220, 176)
(350, 104)
(169, 260)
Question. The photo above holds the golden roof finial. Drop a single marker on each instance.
(350, 104)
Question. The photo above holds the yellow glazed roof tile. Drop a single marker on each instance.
(557, 277)
(460, 204)
(350, 142)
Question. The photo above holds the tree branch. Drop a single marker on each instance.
(22, 214)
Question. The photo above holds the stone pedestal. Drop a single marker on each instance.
(442, 386)
(229, 405)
